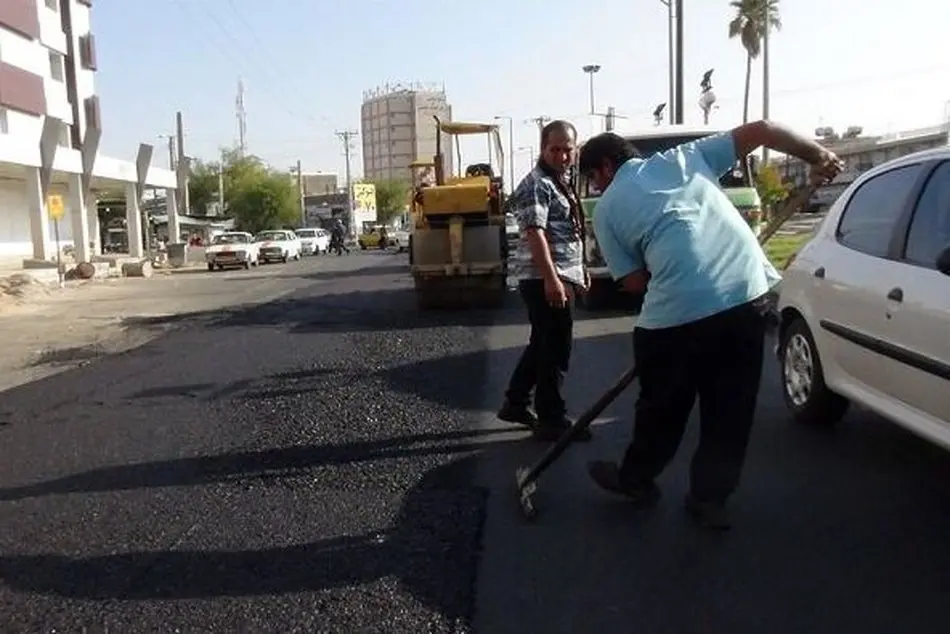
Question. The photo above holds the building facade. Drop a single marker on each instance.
(320, 183)
(397, 128)
(50, 127)
(861, 154)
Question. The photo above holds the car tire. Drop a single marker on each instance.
(210, 267)
(807, 397)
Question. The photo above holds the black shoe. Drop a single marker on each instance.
(607, 476)
(551, 431)
(518, 414)
(712, 515)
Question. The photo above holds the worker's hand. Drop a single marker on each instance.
(555, 292)
(827, 168)
(586, 286)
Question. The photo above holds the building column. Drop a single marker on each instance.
(95, 230)
(133, 221)
(174, 222)
(39, 216)
(79, 216)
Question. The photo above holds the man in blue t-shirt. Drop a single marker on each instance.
(665, 227)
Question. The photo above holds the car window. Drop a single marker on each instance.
(874, 210)
(929, 231)
(306, 233)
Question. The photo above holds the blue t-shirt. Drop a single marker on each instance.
(668, 215)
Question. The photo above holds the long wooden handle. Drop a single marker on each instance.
(790, 208)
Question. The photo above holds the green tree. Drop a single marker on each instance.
(203, 181)
(749, 26)
(263, 200)
(772, 190)
(392, 196)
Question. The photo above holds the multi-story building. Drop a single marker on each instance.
(49, 133)
(861, 153)
(320, 183)
(398, 128)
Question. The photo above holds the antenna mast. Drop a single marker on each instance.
(241, 115)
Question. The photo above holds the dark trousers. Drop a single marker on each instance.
(719, 360)
(546, 358)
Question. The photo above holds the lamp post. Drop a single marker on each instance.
(669, 38)
(591, 70)
(511, 150)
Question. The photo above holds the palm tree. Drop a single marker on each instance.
(749, 26)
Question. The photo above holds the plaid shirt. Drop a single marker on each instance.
(538, 203)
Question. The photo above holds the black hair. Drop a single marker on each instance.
(558, 125)
(609, 147)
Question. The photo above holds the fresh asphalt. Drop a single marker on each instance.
(327, 462)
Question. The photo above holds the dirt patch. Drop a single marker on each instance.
(20, 288)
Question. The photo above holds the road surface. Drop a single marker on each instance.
(327, 461)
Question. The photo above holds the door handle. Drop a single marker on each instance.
(819, 272)
(896, 294)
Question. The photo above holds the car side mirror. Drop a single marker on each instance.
(943, 261)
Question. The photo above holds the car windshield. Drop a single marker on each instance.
(307, 233)
(231, 238)
(653, 145)
(271, 235)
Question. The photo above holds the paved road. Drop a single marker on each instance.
(327, 462)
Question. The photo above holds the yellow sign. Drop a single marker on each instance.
(364, 195)
(54, 203)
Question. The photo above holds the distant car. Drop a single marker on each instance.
(313, 241)
(399, 240)
(865, 305)
(278, 245)
(235, 248)
(371, 238)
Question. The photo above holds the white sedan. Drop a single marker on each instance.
(278, 245)
(313, 241)
(235, 248)
(865, 305)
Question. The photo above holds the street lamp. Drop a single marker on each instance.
(591, 69)
(669, 37)
(511, 150)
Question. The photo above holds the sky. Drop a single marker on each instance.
(306, 63)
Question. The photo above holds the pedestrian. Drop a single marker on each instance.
(665, 227)
(549, 266)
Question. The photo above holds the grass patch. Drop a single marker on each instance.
(780, 248)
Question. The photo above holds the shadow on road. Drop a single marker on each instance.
(432, 547)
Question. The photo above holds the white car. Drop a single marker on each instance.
(278, 245)
(865, 305)
(399, 240)
(313, 241)
(234, 248)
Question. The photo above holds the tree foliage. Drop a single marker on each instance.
(772, 190)
(749, 26)
(392, 196)
(255, 195)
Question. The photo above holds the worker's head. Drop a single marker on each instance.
(602, 156)
(558, 142)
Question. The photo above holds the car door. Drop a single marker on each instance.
(855, 271)
(918, 311)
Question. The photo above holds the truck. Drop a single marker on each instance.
(738, 185)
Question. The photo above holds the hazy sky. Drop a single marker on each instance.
(306, 63)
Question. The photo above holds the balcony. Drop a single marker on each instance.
(20, 16)
(21, 90)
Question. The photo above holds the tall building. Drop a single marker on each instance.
(398, 128)
(319, 183)
(49, 133)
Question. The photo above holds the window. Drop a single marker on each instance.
(65, 134)
(929, 231)
(874, 210)
(4, 122)
(56, 70)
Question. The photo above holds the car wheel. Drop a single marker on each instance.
(807, 396)
(210, 267)
(247, 265)
(362, 246)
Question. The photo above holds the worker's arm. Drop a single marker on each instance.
(541, 253)
(622, 254)
(775, 136)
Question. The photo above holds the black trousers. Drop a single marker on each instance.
(546, 358)
(717, 359)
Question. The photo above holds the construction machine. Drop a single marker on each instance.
(458, 249)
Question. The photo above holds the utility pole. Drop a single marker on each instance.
(221, 185)
(182, 167)
(672, 59)
(241, 115)
(679, 62)
(540, 121)
(765, 74)
(300, 195)
(346, 136)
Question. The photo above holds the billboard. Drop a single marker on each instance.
(364, 203)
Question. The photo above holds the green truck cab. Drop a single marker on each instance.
(604, 292)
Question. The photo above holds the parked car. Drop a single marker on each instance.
(399, 240)
(370, 238)
(234, 248)
(313, 241)
(279, 244)
(865, 305)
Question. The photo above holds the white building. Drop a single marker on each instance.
(398, 128)
(49, 134)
